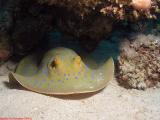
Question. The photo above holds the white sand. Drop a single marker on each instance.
(113, 103)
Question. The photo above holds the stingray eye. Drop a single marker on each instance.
(56, 62)
(77, 60)
(52, 64)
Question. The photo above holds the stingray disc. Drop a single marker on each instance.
(61, 71)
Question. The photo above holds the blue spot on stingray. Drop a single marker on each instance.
(79, 73)
(64, 74)
(43, 81)
(36, 81)
(68, 74)
(66, 78)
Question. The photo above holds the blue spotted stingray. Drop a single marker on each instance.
(61, 72)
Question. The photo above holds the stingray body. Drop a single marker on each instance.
(61, 71)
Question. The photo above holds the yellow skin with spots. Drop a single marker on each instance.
(62, 72)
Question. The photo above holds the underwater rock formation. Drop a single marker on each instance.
(23, 25)
(6, 23)
(89, 31)
(26, 23)
(120, 9)
(5, 50)
(139, 62)
(91, 20)
(32, 22)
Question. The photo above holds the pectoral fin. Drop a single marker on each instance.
(37, 83)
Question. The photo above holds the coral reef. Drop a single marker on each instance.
(23, 25)
(91, 20)
(120, 9)
(139, 62)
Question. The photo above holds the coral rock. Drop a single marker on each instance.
(139, 62)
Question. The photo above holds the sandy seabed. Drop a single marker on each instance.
(112, 103)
